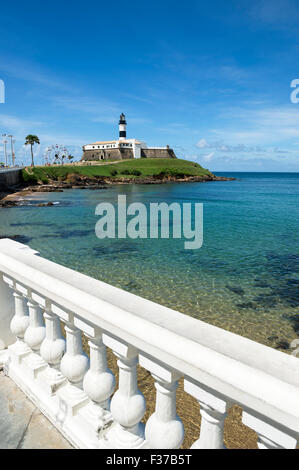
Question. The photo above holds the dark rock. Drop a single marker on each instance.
(269, 300)
(272, 338)
(283, 264)
(288, 294)
(132, 285)
(33, 224)
(236, 290)
(9, 203)
(18, 238)
(293, 282)
(123, 247)
(247, 305)
(294, 319)
(282, 344)
(261, 284)
(45, 204)
(69, 234)
(47, 190)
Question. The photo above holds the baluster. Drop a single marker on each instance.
(270, 435)
(52, 350)
(34, 337)
(36, 331)
(213, 410)
(18, 326)
(164, 429)
(98, 384)
(74, 363)
(7, 311)
(73, 366)
(128, 403)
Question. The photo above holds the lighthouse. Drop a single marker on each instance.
(123, 148)
(122, 127)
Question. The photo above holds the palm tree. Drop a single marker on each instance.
(31, 140)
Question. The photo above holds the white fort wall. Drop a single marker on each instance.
(130, 144)
(123, 148)
(77, 393)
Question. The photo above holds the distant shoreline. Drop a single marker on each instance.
(12, 198)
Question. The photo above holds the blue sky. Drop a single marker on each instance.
(211, 79)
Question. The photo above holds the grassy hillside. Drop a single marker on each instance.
(126, 168)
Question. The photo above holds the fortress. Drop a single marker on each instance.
(123, 148)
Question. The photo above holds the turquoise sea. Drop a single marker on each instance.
(245, 278)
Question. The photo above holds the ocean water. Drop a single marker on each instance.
(245, 277)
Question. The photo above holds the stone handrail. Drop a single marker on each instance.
(76, 392)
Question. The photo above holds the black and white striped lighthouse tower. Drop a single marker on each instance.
(122, 127)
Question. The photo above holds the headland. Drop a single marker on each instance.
(99, 176)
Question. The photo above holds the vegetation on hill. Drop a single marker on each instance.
(125, 168)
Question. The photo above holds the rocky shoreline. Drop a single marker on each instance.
(11, 197)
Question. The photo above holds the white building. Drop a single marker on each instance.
(133, 144)
(123, 147)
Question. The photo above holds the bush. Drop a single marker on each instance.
(131, 172)
(113, 172)
(29, 178)
(172, 172)
(136, 173)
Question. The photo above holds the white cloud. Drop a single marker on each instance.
(202, 143)
(208, 157)
(258, 127)
(16, 125)
(223, 147)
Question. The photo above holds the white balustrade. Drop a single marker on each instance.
(164, 429)
(19, 323)
(99, 382)
(218, 368)
(33, 337)
(270, 435)
(36, 331)
(128, 403)
(73, 366)
(7, 311)
(213, 411)
(74, 363)
(52, 348)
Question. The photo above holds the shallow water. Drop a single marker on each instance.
(245, 277)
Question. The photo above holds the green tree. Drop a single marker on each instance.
(31, 140)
